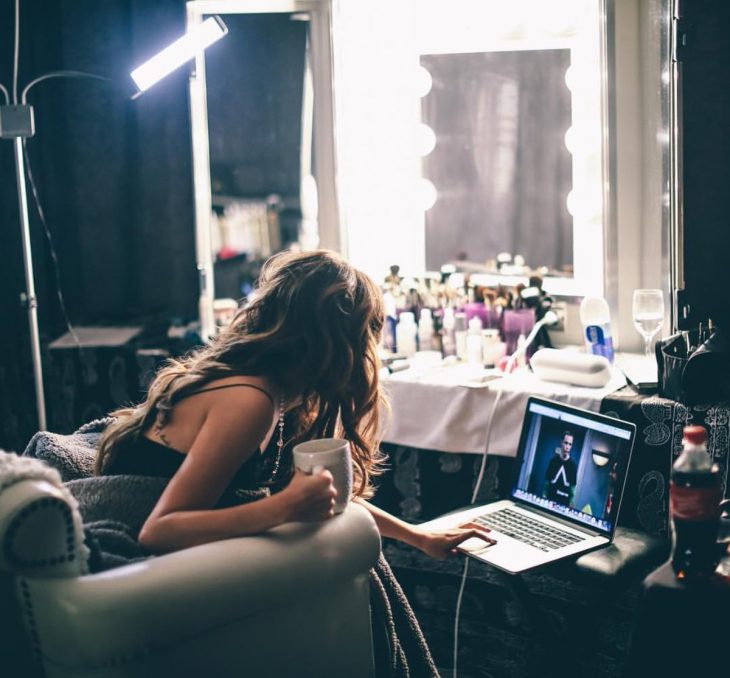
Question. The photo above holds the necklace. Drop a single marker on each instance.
(280, 441)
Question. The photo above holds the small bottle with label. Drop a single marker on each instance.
(596, 319)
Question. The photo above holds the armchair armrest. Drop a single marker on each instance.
(40, 535)
(178, 599)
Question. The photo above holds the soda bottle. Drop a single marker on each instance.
(695, 492)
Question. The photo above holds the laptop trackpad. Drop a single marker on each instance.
(475, 545)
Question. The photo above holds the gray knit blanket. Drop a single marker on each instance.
(114, 508)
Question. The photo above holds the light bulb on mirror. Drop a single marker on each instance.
(427, 194)
(422, 81)
(425, 139)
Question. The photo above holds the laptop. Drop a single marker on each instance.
(570, 473)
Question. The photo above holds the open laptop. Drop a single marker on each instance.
(569, 480)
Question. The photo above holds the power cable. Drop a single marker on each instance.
(54, 257)
(60, 74)
(550, 318)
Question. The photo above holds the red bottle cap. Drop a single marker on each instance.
(695, 435)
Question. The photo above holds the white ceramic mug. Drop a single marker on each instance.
(332, 454)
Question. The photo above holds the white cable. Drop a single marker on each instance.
(549, 319)
(474, 496)
(456, 616)
(16, 52)
(59, 74)
(5, 92)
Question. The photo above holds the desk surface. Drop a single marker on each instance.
(681, 629)
(449, 408)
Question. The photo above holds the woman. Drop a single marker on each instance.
(298, 362)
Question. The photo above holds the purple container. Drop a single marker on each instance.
(489, 316)
(515, 323)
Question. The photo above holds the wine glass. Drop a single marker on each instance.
(648, 314)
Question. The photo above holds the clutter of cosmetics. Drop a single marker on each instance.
(447, 312)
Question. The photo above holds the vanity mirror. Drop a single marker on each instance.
(471, 129)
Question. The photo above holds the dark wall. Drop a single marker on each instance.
(113, 176)
(705, 78)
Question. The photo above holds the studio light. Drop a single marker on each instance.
(175, 55)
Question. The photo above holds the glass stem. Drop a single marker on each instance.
(647, 346)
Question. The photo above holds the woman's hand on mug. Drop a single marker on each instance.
(309, 497)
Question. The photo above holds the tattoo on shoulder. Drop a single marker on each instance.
(161, 435)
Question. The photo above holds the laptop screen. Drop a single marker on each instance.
(573, 463)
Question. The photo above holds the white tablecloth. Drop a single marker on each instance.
(448, 408)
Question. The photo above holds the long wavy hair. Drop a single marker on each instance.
(312, 326)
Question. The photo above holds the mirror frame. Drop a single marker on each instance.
(322, 133)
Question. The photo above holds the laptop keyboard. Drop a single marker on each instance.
(525, 529)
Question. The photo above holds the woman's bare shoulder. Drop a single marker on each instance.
(227, 386)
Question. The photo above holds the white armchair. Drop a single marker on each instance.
(291, 602)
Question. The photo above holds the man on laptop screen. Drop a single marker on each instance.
(571, 467)
(561, 473)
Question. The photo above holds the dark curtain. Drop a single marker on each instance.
(704, 54)
(114, 180)
(500, 164)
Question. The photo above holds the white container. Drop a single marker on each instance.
(596, 319)
(405, 334)
(474, 341)
(448, 339)
(571, 367)
(490, 341)
(425, 330)
(460, 335)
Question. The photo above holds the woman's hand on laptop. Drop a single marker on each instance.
(443, 544)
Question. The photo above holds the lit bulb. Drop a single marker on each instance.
(570, 78)
(570, 139)
(584, 205)
(425, 139)
(427, 194)
(423, 81)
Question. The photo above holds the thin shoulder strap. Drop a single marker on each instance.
(218, 388)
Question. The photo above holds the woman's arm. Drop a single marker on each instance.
(435, 544)
(233, 430)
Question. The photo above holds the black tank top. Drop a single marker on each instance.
(142, 456)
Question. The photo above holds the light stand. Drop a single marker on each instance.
(17, 123)
(30, 298)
